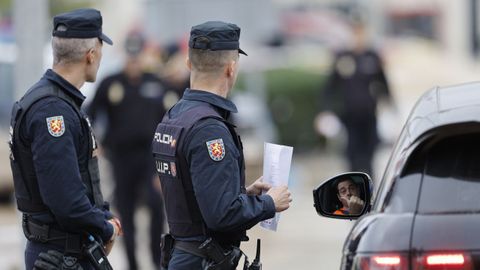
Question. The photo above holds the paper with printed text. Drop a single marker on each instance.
(277, 160)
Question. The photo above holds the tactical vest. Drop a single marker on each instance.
(183, 213)
(21, 161)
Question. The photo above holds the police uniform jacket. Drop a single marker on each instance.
(132, 108)
(61, 145)
(355, 85)
(214, 162)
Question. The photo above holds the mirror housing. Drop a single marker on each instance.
(356, 192)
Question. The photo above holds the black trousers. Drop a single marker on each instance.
(134, 175)
(362, 141)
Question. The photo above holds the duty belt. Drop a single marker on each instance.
(190, 247)
(37, 232)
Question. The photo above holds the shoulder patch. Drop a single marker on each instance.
(56, 125)
(216, 149)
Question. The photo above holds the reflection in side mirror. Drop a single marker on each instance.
(343, 196)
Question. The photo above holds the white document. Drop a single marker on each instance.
(276, 169)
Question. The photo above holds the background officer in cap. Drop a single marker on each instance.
(355, 85)
(132, 103)
(52, 146)
(200, 160)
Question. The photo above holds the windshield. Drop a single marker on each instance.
(451, 181)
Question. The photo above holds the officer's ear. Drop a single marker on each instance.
(91, 56)
(188, 63)
(231, 68)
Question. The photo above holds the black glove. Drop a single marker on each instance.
(54, 260)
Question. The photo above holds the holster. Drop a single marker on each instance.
(167, 248)
(230, 261)
(218, 258)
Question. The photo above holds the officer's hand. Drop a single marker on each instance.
(117, 231)
(327, 124)
(281, 197)
(117, 225)
(51, 260)
(257, 187)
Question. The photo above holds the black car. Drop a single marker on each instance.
(426, 214)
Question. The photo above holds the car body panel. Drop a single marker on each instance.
(380, 233)
(446, 232)
(443, 106)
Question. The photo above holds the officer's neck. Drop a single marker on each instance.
(71, 73)
(218, 86)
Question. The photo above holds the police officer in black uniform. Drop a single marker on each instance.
(132, 103)
(52, 146)
(200, 161)
(355, 85)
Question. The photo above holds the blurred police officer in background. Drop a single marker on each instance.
(200, 160)
(132, 103)
(53, 149)
(174, 69)
(355, 85)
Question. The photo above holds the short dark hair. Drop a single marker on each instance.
(338, 181)
(209, 61)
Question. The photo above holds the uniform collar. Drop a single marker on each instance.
(67, 87)
(213, 99)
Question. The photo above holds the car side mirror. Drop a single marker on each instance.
(345, 196)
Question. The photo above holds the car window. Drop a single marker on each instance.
(403, 194)
(451, 180)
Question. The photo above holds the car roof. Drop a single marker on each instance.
(439, 110)
(442, 106)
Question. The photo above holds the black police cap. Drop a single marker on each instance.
(215, 36)
(134, 43)
(80, 23)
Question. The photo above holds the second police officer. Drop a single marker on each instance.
(355, 85)
(132, 103)
(199, 158)
(53, 150)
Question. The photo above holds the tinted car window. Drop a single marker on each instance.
(403, 194)
(451, 181)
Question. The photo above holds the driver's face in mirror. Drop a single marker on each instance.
(347, 189)
(348, 193)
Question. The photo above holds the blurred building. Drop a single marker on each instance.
(170, 20)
